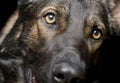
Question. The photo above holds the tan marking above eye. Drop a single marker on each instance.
(50, 18)
(96, 34)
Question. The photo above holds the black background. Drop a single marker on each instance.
(109, 69)
(6, 9)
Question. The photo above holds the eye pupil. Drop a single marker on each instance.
(96, 32)
(51, 17)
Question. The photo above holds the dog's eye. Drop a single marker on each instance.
(50, 18)
(96, 34)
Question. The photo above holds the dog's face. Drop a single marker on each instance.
(60, 39)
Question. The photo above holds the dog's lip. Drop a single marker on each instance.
(30, 75)
(33, 80)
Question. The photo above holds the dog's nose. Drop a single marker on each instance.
(65, 73)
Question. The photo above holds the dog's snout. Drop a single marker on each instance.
(66, 73)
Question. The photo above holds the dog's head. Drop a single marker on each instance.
(61, 39)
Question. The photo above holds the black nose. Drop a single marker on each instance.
(65, 73)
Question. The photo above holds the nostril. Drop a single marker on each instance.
(59, 77)
(66, 73)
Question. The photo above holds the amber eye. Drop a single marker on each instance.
(50, 18)
(96, 34)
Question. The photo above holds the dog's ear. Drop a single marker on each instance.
(24, 2)
(114, 9)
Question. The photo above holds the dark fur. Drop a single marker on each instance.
(33, 48)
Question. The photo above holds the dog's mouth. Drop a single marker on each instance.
(30, 77)
(33, 80)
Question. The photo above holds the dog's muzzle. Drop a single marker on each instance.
(68, 67)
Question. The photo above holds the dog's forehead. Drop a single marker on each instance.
(75, 5)
(66, 2)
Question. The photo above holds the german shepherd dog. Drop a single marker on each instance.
(57, 41)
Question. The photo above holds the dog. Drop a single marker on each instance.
(57, 41)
